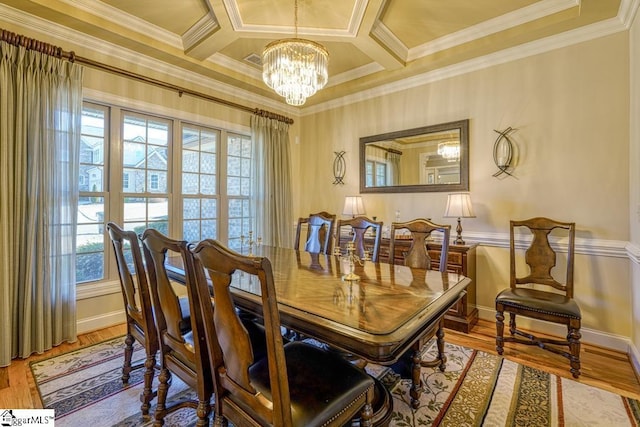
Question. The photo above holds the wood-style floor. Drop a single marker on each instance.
(607, 369)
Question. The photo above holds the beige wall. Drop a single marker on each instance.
(634, 183)
(571, 110)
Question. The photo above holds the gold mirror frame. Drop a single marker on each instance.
(460, 127)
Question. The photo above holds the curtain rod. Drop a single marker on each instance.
(58, 52)
(389, 150)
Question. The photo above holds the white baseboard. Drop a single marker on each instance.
(590, 336)
(105, 320)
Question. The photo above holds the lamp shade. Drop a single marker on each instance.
(459, 206)
(353, 206)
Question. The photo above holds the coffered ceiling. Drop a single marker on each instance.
(371, 43)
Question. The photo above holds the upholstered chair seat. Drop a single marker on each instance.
(539, 301)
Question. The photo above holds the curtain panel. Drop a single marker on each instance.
(272, 204)
(40, 124)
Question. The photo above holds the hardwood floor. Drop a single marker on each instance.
(603, 368)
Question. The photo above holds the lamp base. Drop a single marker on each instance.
(459, 240)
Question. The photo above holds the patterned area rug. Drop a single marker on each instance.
(85, 389)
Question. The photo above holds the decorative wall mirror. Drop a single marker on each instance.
(430, 158)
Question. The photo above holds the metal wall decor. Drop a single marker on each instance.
(503, 151)
(339, 167)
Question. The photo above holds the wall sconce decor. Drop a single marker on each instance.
(339, 167)
(353, 206)
(459, 206)
(503, 151)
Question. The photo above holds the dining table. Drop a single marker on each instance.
(370, 310)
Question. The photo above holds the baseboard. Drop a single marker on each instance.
(90, 324)
(589, 336)
(634, 356)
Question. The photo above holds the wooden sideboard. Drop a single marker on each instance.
(461, 259)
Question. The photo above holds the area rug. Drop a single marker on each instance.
(477, 389)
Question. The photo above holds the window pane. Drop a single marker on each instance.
(199, 168)
(134, 155)
(90, 236)
(233, 186)
(157, 182)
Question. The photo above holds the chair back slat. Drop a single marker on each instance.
(320, 229)
(540, 257)
(418, 256)
(358, 227)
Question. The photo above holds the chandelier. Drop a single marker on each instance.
(449, 150)
(295, 68)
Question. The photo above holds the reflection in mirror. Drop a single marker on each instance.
(431, 158)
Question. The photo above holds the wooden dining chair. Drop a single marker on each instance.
(417, 258)
(354, 229)
(320, 228)
(418, 255)
(548, 299)
(137, 307)
(181, 353)
(295, 384)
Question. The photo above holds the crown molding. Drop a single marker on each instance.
(205, 26)
(384, 35)
(547, 44)
(364, 70)
(627, 12)
(355, 20)
(127, 55)
(123, 19)
(501, 23)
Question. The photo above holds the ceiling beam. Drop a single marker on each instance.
(374, 47)
(210, 34)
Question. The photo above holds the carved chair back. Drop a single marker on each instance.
(320, 229)
(137, 306)
(540, 256)
(418, 256)
(358, 226)
(181, 353)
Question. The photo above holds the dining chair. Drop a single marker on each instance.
(320, 228)
(181, 353)
(417, 258)
(295, 384)
(137, 307)
(418, 255)
(354, 229)
(537, 293)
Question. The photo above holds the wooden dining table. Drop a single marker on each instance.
(388, 311)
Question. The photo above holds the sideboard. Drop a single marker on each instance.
(461, 259)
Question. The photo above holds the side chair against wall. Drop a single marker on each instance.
(556, 306)
(181, 353)
(320, 229)
(295, 384)
(358, 226)
(137, 307)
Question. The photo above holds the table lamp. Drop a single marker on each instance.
(353, 206)
(459, 206)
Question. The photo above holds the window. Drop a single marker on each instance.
(177, 187)
(239, 164)
(91, 202)
(145, 155)
(375, 173)
(199, 195)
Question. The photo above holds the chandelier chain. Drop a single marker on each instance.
(295, 18)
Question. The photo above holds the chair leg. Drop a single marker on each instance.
(220, 421)
(147, 393)
(128, 354)
(573, 337)
(366, 415)
(500, 332)
(202, 411)
(164, 379)
(512, 323)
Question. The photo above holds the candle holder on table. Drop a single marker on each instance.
(352, 259)
(244, 240)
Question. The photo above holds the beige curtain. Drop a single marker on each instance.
(40, 118)
(272, 193)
